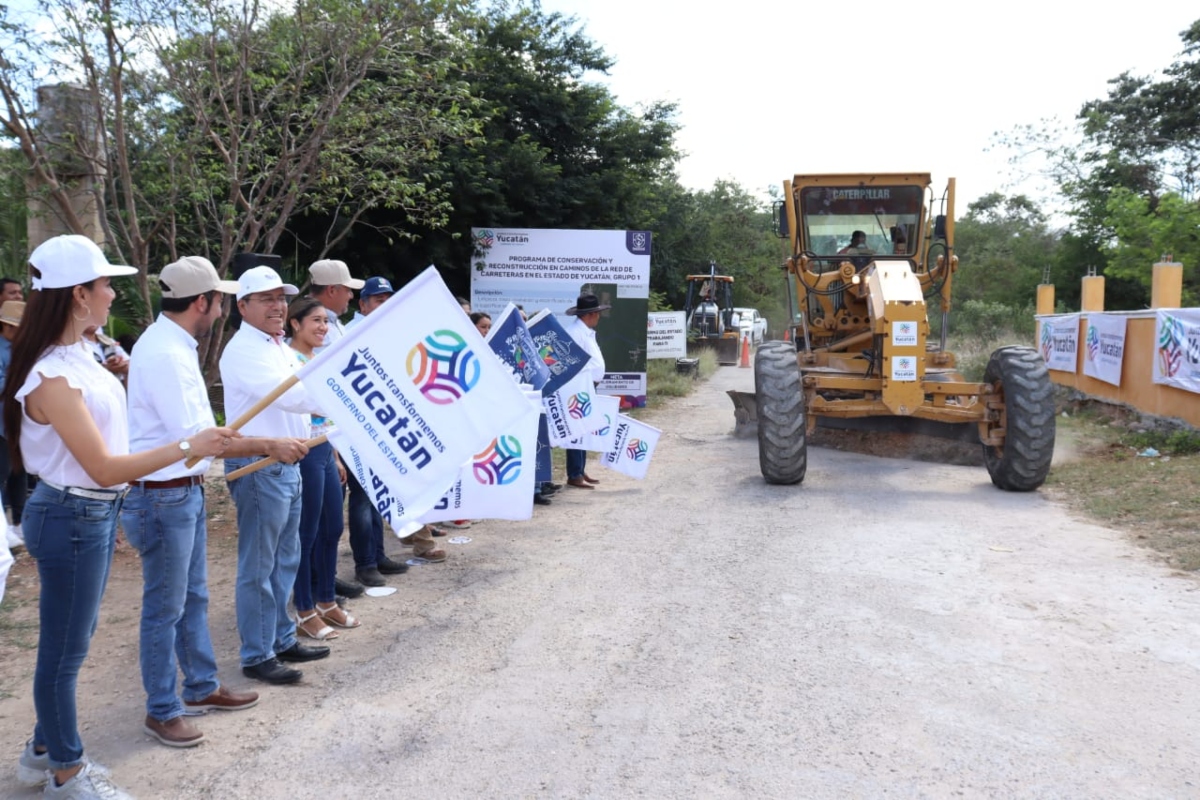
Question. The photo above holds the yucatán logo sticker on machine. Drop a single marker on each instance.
(904, 368)
(904, 334)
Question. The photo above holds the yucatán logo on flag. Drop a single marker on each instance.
(500, 463)
(637, 449)
(579, 405)
(443, 367)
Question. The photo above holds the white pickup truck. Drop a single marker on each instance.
(751, 323)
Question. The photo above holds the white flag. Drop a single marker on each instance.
(416, 392)
(498, 482)
(599, 439)
(632, 447)
(571, 410)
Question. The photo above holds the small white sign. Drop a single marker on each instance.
(666, 335)
(904, 368)
(904, 334)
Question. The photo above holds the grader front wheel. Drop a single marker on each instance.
(779, 396)
(1022, 462)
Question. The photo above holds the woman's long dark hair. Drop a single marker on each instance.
(300, 308)
(42, 325)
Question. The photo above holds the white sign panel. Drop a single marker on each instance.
(1060, 341)
(904, 333)
(1177, 348)
(1104, 347)
(904, 368)
(666, 335)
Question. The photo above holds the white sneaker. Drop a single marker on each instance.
(33, 769)
(89, 783)
(15, 540)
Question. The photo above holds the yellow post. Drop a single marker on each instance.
(1166, 284)
(1045, 298)
(1091, 296)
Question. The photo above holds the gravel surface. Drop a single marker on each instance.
(888, 628)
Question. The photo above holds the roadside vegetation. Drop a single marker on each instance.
(1133, 475)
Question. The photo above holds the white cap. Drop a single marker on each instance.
(331, 272)
(70, 260)
(262, 279)
(192, 276)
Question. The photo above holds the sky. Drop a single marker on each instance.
(770, 88)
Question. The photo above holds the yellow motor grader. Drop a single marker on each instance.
(866, 258)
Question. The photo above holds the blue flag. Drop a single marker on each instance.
(562, 355)
(512, 342)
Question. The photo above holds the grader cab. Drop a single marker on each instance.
(867, 258)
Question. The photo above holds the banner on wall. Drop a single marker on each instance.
(1177, 348)
(1104, 347)
(548, 269)
(666, 335)
(1059, 339)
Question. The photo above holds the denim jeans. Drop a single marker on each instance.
(72, 539)
(320, 527)
(576, 461)
(14, 485)
(366, 528)
(167, 527)
(268, 515)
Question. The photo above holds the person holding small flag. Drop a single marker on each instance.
(582, 329)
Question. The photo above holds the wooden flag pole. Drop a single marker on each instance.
(266, 462)
(271, 397)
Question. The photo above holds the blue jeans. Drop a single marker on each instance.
(366, 528)
(320, 527)
(576, 461)
(72, 539)
(167, 527)
(268, 515)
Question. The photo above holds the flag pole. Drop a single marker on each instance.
(266, 462)
(271, 397)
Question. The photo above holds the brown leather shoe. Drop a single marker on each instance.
(579, 483)
(178, 732)
(432, 554)
(590, 479)
(224, 700)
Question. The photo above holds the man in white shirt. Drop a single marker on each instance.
(255, 362)
(164, 516)
(582, 329)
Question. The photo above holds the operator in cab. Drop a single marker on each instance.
(857, 246)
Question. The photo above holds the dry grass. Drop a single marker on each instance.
(1155, 499)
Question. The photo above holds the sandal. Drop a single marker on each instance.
(337, 616)
(323, 634)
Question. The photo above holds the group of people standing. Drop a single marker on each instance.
(129, 439)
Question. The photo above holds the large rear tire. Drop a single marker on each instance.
(1023, 461)
(779, 396)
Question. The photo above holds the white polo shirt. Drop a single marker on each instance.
(167, 397)
(252, 366)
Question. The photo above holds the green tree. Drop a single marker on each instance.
(1004, 245)
(1146, 231)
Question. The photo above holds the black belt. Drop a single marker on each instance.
(174, 483)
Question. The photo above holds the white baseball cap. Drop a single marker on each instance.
(70, 260)
(262, 279)
(192, 276)
(331, 272)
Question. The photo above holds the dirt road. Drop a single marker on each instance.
(889, 628)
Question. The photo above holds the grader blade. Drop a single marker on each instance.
(745, 413)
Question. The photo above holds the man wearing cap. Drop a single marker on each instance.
(582, 329)
(13, 485)
(164, 515)
(255, 362)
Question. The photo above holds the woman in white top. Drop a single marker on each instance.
(66, 421)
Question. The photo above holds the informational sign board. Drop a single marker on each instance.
(666, 334)
(1104, 347)
(548, 269)
(1177, 348)
(1059, 341)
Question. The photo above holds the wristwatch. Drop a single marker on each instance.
(186, 447)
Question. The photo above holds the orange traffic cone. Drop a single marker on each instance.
(787, 334)
(745, 362)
